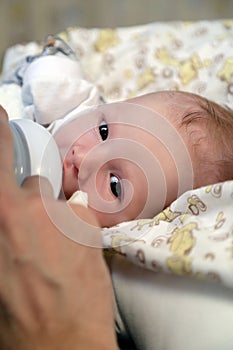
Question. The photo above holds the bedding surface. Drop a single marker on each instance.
(128, 61)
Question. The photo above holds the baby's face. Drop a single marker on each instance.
(129, 159)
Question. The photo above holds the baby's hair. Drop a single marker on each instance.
(209, 122)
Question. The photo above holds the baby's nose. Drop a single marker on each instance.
(84, 160)
(74, 151)
(77, 155)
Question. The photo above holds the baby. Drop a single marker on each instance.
(134, 158)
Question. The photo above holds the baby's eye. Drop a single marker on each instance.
(115, 186)
(103, 130)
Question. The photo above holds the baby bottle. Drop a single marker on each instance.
(35, 153)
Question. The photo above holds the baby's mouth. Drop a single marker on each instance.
(76, 174)
(70, 179)
(76, 171)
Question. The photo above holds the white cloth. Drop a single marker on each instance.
(52, 87)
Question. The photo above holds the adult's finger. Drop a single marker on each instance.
(38, 185)
(6, 148)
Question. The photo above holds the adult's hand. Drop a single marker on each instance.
(55, 293)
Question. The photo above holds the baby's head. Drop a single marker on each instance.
(134, 158)
(206, 128)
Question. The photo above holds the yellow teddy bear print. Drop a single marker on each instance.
(195, 204)
(180, 265)
(188, 69)
(146, 78)
(117, 241)
(166, 215)
(182, 240)
(215, 190)
(226, 73)
(181, 243)
(107, 38)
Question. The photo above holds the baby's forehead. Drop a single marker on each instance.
(145, 119)
(172, 105)
(156, 113)
(185, 112)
